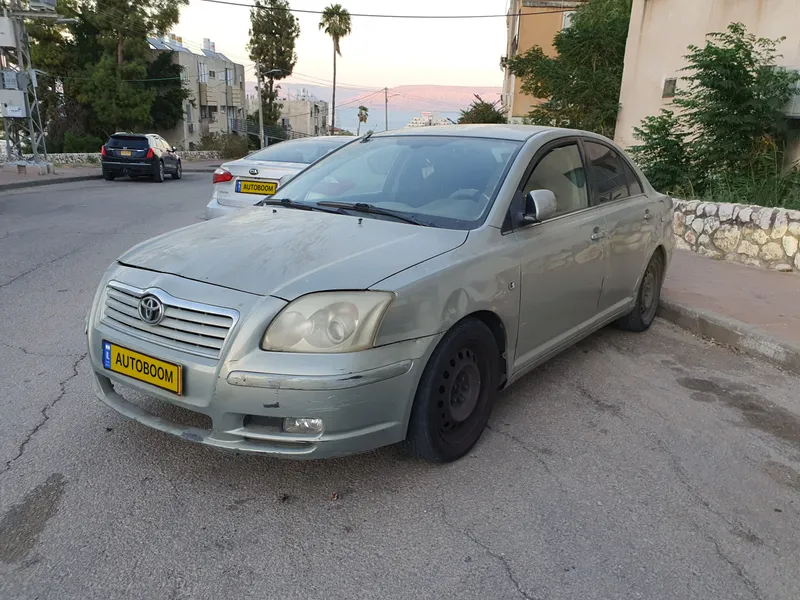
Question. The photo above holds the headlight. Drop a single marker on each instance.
(328, 322)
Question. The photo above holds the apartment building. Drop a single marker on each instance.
(660, 33)
(304, 114)
(216, 86)
(531, 23)
(428, 119)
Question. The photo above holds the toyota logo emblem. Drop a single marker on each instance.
(151, 310)
(253, 171)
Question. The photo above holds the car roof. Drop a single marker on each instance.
(518, 133)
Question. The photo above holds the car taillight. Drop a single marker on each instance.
(103, 151)
(221, 175)
(150, 153)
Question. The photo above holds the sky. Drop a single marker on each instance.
(378, 52)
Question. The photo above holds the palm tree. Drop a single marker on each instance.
(336, 23)
(363, 115)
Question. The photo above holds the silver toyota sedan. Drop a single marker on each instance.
(386, 295)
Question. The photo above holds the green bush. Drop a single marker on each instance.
(81, 143)
(228, 145)
(727, 140)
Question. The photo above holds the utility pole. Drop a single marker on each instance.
(386, 107)
(21, 118)
(260, 114)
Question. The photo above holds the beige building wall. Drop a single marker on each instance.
(524, 32)
(661, 31)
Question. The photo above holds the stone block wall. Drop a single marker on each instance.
(82, 158)
(751, 235)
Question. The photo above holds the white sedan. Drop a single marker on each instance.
(241, 183)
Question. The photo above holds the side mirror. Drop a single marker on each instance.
(540, 205)
(174, 148)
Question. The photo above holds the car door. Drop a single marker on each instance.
(169, 156)
(562, 257)
(631, 218)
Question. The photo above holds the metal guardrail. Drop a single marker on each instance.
(273, 132)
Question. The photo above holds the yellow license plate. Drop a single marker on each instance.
(264, 188)
(165, 375)
(125, 152)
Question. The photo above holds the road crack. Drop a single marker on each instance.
(39, 266)
(532, 451)
(499, 557)
(45, 413)
(27, 352)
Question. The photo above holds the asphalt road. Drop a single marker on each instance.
(632, 466)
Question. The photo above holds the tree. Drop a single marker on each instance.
(273, 33)
(728, 137)
(167, 108)
(579, 87)
(363, 115)
(480, 111)
(100, 70)
(336, 23)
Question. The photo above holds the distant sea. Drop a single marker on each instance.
(347, 118)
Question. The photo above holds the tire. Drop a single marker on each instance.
(108, 176)
(647, 297)
(158, 176)
(455, 394)
(178, 171)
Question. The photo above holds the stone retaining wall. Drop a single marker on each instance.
(752, 235)
(83, 158)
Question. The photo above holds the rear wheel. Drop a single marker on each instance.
(455, 394)
(158, 176)
(108, 176)
(647, 297)
(178, 171)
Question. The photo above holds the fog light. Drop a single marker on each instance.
(295, 425)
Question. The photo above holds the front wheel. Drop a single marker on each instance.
(178, 171)
(647, 297)
(455, 394)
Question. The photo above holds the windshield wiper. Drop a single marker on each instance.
(288, 203)
(363, 207)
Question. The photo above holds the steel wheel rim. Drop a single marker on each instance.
(459, 395)
(649, 293)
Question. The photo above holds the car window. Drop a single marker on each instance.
(608, 172)
(561, 171)
(447, 181)
(128, 141)
(634, 185)
(300, 152)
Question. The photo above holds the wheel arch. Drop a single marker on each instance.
(497, 327)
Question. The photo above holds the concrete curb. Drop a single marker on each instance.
(731, 332)
(18, 185)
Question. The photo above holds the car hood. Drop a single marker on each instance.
(287, 253)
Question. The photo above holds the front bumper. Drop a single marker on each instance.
(363, 398)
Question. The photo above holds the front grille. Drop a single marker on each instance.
(188, 326)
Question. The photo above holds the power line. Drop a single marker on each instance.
(382, 16)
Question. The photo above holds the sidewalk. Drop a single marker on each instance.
(754, 310)
(11, 180)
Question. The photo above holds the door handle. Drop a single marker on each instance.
(648, 215)
(598, 235)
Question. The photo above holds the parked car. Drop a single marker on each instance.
(388, 294)
(241, 183)
(139, 155)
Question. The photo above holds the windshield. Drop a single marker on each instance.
(446, 181)
(297, 152)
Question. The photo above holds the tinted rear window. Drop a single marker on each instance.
(300, 152)
(128, 141)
